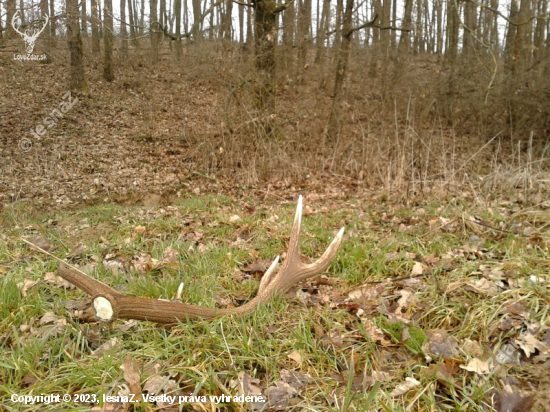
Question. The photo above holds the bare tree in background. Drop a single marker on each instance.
(84, 19)
(123, 29)
(197, 27)
(95, 29)
(10, 11)
(153, 31)
(44, 13)
(77, 80)
(108, 73)
(341, 68)
(177, 11)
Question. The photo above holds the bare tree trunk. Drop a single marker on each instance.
(241, 24)
(53, 41)
(133, 23)
(452, 32)
(511, 52)
(322, 32)
(394, 20)
(249, 30)
(304, 25)
(338, 34)
(22, 12)
(77, 80)
(177, 11)
(10, 8)
(333, 130)
(405, 40)
(538, 41)
(185, 17)
(162, 14)
(84, 19)
(197, 28)
(418, 32)
(142, 18)
(226, 20)
(439, 26)
(524, 39)
(288, 39)
(385, 18)
(211, 28)
(43, 14)
(153, 28)
(123, 29)
(95, 30)
(108, 74)
(266, 36)
(495, 42)
(470, 20)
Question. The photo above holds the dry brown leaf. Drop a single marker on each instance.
(250, 387)
(235, 219)
(478, 366)
(403, 388)
(106, 347)
(482, 286)
(296, 357)
(140, 230)
(472, 348)
(51, 279)
(530, 345)
(375, 333)
(170, 257)
(157, 384)
(380, 376)
(26, 285)
(440, 343)
(131, 375)
(418, 269)
(512, 399)
(43, 243)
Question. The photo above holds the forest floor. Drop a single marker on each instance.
(437, 299)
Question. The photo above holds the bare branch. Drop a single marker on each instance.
(513, 23)
(283, 7)
(243, 3)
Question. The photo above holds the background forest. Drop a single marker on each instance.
(395, 94)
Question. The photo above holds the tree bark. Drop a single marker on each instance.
(288, 38)
(77, 80)
(84, 19)
(108, 73)
(333, 130)
(304, 25)
(197, 28)
(266, 35)
(153, 29)
(95, 30)
(470, 20)
(123, 28)
(177, 11)
(322, 32)
(405, 40)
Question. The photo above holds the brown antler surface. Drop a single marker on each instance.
(110, 304)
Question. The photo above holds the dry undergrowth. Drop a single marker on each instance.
(155, 128)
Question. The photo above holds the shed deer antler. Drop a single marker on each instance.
(110, 304)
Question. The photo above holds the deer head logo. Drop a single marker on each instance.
(29, 35)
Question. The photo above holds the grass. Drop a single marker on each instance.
(349, 368)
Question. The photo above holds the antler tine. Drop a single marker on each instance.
(294, 269)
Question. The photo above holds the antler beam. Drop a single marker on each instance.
(110, 304)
